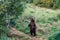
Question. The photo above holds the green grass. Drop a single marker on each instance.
(5, 37)
(55, 36)
(23, 27)
(46, 18)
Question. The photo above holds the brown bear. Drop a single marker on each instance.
(32, 27)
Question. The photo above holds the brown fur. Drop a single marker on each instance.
(32, 26)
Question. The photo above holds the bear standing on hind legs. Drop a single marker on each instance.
(32, 27)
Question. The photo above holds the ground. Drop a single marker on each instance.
(15, 32)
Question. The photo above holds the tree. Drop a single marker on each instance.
(56, 3)
(9, 9)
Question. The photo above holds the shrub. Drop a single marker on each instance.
(55, 36)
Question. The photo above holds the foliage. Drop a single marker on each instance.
(5, 37)
(58, 16)
(11, 9)
(47, 3)
(55, 36)
(56, 4)
(22, 24)
(43, 18)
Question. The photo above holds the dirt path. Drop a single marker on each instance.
(14, 31)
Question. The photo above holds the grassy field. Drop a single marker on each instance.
(47, 20)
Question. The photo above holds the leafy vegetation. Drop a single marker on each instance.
(17, 13)
(43, 19)
(47, 3)
(9, 10)
(55, 36)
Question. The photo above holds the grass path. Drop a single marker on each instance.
(15, 32)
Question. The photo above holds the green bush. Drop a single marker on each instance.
(47, 3)
(5, 37)
(58, 16)
(24, 28)
(55, 36)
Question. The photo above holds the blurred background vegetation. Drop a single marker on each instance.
(17, 14)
